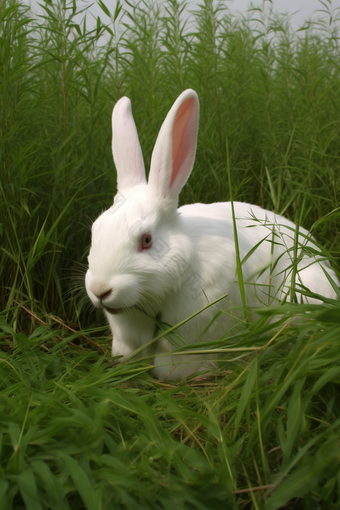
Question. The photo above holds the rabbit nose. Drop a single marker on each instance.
(100, 290)
(104, 295)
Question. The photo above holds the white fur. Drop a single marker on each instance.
(192, 258)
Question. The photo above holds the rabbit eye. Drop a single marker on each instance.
(146, 241)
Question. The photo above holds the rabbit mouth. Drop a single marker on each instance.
(114, 311)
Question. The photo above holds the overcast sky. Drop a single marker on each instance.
(301, 10)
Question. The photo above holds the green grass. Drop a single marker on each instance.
(78, 429)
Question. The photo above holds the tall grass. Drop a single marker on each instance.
(271, 93)
(76, 430)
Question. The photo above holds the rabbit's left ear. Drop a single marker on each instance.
(174, 153)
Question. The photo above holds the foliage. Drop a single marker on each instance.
(79, 430)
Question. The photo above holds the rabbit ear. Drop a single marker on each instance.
(174, 153)
(126, 150)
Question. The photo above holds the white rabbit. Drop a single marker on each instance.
(148, 257)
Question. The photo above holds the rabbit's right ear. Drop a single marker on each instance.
(126, 149)
(174, 153)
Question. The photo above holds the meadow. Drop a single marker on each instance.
(79, 430)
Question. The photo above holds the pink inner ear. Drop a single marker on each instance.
(181, 137)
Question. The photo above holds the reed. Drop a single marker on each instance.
(78, 429)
